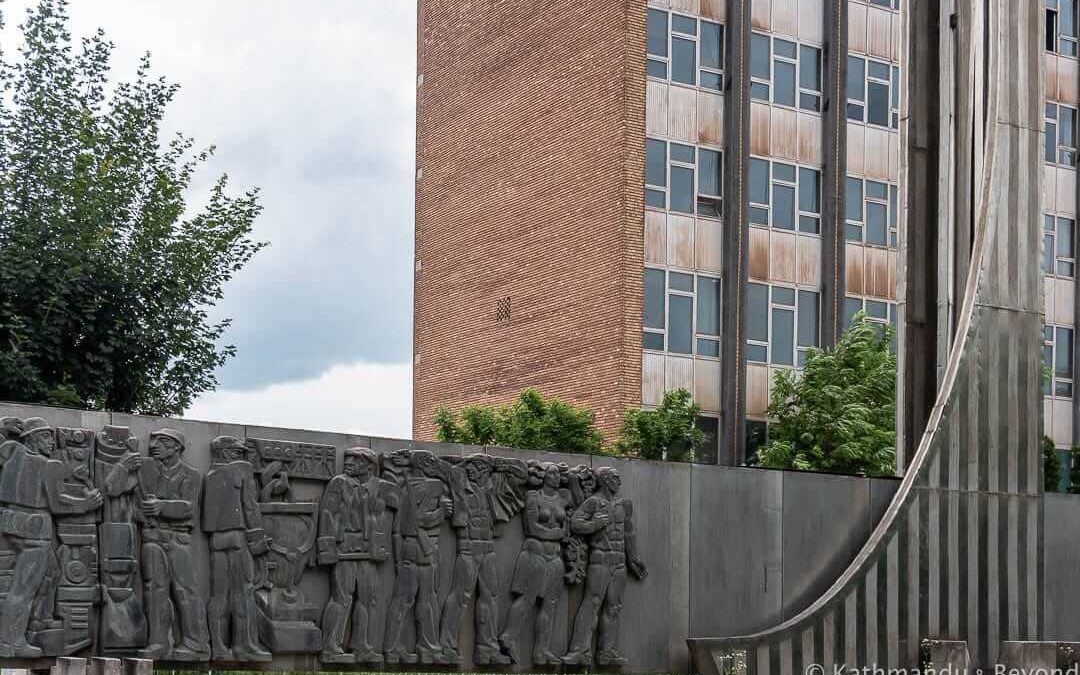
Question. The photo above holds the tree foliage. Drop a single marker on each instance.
(531, 422)
(669, 432)
(1051, 466)
(838, 413)
(106, 277)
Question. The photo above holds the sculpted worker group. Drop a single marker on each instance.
(380, 510)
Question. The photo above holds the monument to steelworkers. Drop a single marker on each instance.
(184, 543)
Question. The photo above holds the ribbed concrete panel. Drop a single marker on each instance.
(958, 552)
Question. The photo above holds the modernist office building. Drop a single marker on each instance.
(615, 199)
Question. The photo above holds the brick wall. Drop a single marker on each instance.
(530, 156)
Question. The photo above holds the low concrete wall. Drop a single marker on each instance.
(729, 550)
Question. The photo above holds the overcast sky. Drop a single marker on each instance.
(311, 101)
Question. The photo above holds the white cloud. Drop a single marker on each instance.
(359, 398)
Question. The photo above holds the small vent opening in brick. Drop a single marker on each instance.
(502, 310)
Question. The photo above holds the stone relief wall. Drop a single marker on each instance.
(99, 550)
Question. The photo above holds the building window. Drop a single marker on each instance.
(683, 178)
(1060, 134)
(757, 437)
(888, 4)
(784, 72)
(782, 325)
(682, 313)
(685, 50)
(785, 196)
(709, 451)
(1058, 358)
(870, 212)
(877, 311)
(1061, 27)
(1059, 246)
(873, 92)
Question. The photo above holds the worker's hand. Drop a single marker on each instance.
(151, 507)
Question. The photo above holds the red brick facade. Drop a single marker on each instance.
(530, 156)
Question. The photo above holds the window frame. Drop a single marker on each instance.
(892, 86)
(1064, 155)
(1054, 34)
(799, 352)
(797, 62)
(1051, 236)
(892, 213)
(667, 60)
(795, 185)
(1058, 383)
(698, 197)
(695, 334)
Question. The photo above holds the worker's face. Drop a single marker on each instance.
(552, 478)
(43, 442)
(611, 482)
(163, 448)
(233, 453)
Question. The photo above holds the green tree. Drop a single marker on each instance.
(1051, 466)
(531, 422)
(670, 432)
(106, 274)
(838, 413)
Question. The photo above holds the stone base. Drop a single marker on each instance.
(285, 637)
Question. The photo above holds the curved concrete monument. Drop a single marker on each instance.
(958, 554)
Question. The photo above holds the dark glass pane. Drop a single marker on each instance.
(784, 48)
(708, 207)
(1048, 254)
(853, 199)
(759, 91)
(876, 224)
(852, 306)
(878, 70)
(782, 343)
(657, 69)
(876, 190)
(656, 199)
(810, 68)
(708, 451)
(708, 306)
(783, 206)
(756, 438)
(895, 87)
(654, 299)
(759, 181)
(809, 224)
(683, 24)
(894, 202)
(809, 190)
(856, 79)
(759, 216)
(853, 232)
(1064, 268)
(784, 172)
(784, 84)
(757, 314)
(682, 189)
(680, 324)
(1048, 336)
(1067, 18)
(653, 341)
(759, 56)
(657, 32)
(682, 153)
(1065, 244)
(712, 45)
(1048, 222)
(1068, 48)
(1050, 151)
(757, 353)
(877, 310)
(655, 162)
(855, 112)
(1063, 389)
(1051, 111)
(707, 347)
(781, 295)
(1063, 353)
(1067, 127)
(808, 319)
(712, 80)
(709, 172)
(683, 61)
(679, 281)
(877, 104)
(810, 102)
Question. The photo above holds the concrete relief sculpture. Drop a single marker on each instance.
(102, 550)
(234, 523)
(170, 499)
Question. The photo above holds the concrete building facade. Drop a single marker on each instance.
(619, 199)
